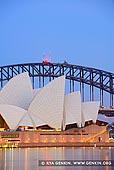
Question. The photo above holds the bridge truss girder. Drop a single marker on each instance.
(92, 77)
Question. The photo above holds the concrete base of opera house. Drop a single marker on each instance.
(90, 136)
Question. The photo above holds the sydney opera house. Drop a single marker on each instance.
(23, 106)
(46, 116)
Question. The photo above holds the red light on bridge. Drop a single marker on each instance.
(46, 60)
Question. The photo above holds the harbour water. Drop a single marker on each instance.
(28, 158)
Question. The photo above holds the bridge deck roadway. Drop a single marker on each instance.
(107, 112)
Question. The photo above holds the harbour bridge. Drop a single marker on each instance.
(94, 84)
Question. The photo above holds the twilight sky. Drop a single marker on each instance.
(78, 31)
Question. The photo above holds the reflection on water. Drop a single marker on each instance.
(28, 158)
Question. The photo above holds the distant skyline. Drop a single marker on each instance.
(78, 31)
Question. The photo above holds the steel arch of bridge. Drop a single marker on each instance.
(94, 78)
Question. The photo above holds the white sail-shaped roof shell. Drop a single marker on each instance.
(72, 108)
(90, 110)
(26, 121)
(48, 103)
(35, 92)
(18, 91)
(37, 121)
(30, 120)
(12, 115)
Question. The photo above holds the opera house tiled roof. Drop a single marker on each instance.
(21, 105)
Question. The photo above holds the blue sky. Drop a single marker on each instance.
(78, 31)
